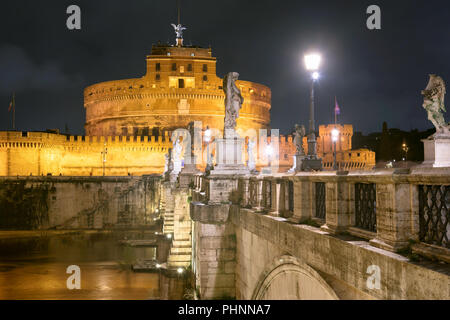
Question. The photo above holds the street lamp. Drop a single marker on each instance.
(405, 149)
(269, 153)
(312, 63)
(207, 139)
(334, 138)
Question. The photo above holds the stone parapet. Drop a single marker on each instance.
(381, 206)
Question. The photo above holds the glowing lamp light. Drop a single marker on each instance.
(207, 136)
(169, 236)
(312, 61)
(334, 135)
(269, 150)
(158, 266)
(315, 75)
(180, 270)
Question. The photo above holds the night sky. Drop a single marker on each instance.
(376, 75)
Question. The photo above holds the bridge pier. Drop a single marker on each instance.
(320, 236)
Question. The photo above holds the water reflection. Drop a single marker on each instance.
(36, 268)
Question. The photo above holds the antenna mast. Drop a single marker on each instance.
(179, 9)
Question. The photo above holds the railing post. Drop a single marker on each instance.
(260, 195)
(245, 192)
(339, 205)
(281, 189)
(303, 199)
(397, 212)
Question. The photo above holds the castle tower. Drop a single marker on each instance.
(180, 86)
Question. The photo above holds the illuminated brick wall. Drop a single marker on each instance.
(37, 153)
(180, 86)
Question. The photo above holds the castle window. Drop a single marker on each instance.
(158, 67)
(192, 54)
(205, 78)
(205, 68)
(158, 77)
(359, 154)
(181, 69)
(181, 83)
(168, 53)
(189, 67)
(174, 67)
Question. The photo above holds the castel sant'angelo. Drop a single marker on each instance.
(129, 122)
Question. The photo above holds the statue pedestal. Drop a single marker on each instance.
(437, 151)
(298, 163)
(311, 163)
(186, 176)
(229, 157)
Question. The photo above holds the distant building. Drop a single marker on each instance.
(129, 122)
(346, 158)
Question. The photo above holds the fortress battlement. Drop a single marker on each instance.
(19, 139)
(42, 153)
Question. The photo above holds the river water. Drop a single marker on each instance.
(35, 268)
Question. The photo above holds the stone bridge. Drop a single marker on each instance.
(372, 235)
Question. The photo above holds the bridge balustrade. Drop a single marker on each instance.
(390, 210)
(253, 193)
(320, 200)
(434, 215)
(267, 187)
(365, 206)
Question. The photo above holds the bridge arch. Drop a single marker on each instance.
(288, 278)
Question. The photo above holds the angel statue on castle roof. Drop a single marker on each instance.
(179, 30)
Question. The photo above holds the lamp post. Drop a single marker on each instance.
(312, 63)
(405, 150)
(334, 137)
(312, 162)
(269, 153)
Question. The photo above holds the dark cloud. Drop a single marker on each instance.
(19, 73)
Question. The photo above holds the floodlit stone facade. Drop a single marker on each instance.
(346, 158)
(40, 153)
(132, 120)
(180, 86)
